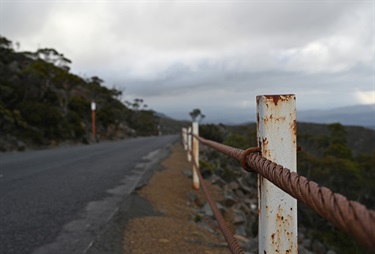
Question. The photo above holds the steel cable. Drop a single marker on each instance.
(228, 235)
(349, 216)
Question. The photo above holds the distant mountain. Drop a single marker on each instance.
(358, 115)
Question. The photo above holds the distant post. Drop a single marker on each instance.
(276, 128)
(93, 109)
(189, 137)
(196, 156)
(184, 138)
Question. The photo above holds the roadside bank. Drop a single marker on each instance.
(173, 226)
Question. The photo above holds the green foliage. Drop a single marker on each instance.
(337, 146)
(144, 122)
(197, 218)
(41, 115)
(10, 119)
(51, 98)
(339, 241)
(42, 103)
(106, 115)
(211, 132)
(207, 165)
(75, 126)
(5, 43)
(237, 140)
(328, 158)
(333, 166)
(80, 106)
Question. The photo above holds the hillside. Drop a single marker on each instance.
(42, 104)
(359, 115)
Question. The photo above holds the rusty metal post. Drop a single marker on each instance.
(189, 137)
(276, 128)
(196, 156)
(184, 138)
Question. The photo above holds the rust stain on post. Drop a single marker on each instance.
(276, 98)
(276, 126)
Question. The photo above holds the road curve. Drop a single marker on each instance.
(60, 198)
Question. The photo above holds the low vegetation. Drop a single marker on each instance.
(339, 157)
(43, 104)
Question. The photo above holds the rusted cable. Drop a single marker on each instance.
(228, 235)
(349, 216)
(246, 153)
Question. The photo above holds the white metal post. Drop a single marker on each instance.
(189, 144)
(196, 156)
(93, 121)
(277, 127)
(184, 138)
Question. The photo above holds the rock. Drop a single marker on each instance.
(244, 208)
(251, 203)
(206, 209)
(303, 250)
(192, 196)
(233, 185)
(218, 181)
(253, 207)
(188, 173)
(318, 247)
(238, 217)
(241, 230)
(306, 243)
(301, 237)
(241, 239)
(229, 198)
(331, 252)
(163, 241)
(244, 186)
(220, 207)
(240, 193)
(251, 246)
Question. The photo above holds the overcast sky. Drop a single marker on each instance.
(212, 55)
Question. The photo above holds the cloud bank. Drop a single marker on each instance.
(214, 55)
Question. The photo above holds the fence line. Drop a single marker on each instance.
(349, 216)
(228, 235)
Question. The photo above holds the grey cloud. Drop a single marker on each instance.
(215, 55)
(22, 20)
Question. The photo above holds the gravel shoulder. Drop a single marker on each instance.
(171, 224)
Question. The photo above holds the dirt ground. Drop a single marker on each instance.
(178, 229)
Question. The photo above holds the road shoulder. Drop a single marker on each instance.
(173, 226)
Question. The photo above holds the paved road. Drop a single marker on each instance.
(57, 200)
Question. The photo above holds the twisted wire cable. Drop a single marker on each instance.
(228, 235)
(349, 216)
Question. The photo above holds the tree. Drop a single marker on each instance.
(137, 103)
(117, 93)
(95, 80)
(5, 43)
(338, 142)
(195, 114)
(51, 55)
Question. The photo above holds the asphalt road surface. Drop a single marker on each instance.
(59, 200)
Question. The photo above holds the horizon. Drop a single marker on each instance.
(180, 115)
